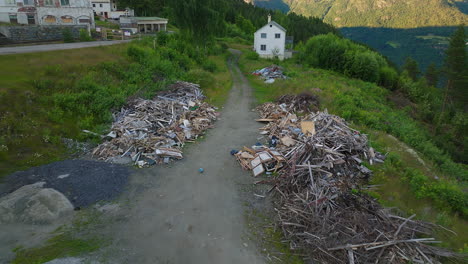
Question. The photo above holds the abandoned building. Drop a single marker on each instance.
(109, 9)
(270, 41)
(47, 12)
(143, 24)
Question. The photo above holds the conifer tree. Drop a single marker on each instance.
(411, 66)
(456, 66)
(432, 75)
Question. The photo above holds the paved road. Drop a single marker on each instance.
(62, 46)
(188, 217)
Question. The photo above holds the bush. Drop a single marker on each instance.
(252, 55)
(84, 35)
(67, 36)
(210, 66)
(344, 56)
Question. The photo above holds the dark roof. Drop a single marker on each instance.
(275, 24)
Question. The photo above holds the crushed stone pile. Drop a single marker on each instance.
(315, 163)
(149, 132)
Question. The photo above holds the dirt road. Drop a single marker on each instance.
(184, 216)
(61, 46)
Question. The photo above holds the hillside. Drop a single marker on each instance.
(381, 13)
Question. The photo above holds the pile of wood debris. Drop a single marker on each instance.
(154, 131)
(319, 183)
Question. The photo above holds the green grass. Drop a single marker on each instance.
(270, 239)
(218, 89)
(365, 106)
(63, 92)
(28, 132)
(63, 245)
(107, 24)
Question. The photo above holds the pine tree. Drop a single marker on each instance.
(432, 75)
(411, 66)
(456, 66)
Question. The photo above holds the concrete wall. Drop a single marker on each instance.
(274, 46)
(23, 34)
(55, 14)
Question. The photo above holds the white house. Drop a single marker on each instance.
(270, 41)
(108, 9)
(47, 12)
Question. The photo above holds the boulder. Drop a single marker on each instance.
(33, 204)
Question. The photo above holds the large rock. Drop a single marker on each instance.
(34, 204)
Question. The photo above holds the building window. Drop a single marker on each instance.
(50, 19)
(10, 2)
(94, 5)
(65, 2)
(67, 19)
(49, 2)
(13, 18)
(31, 20)
(264, 35)
(100, 5)
(277, 35)
(263, 47)
(28, 2)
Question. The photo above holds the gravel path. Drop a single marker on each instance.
(187, 217)
(61, 46)
(83, 182)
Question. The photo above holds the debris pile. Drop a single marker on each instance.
(320, 206)
(269, 74)
(154, 131)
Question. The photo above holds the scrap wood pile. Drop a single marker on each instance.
(320, 208)
(154, 131)
(269, 74)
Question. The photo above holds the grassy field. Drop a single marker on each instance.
(28, 136)
(46, 97)
(361, 103)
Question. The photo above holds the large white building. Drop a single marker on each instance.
(109, 9)
(270, 41)
(47, 12)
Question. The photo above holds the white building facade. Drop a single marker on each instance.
(47, 12)
(270, 41)
(109, 9)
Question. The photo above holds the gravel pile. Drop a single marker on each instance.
(83, 182)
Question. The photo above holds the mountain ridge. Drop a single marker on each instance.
(377, 13)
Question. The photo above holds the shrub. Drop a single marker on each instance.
(210, 66)
(252, 55)
(67, 36)
(84, 35)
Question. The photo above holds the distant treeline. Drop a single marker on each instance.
(425, 45)
(207, 18)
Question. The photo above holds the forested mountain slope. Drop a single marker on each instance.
(379, 13)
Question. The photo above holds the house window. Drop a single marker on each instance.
(50, 19)
(10, 2)
(94, 5)
(83, 20)
(31, 20)
(100, 5)
(49, 2)
(13, 18)
(264, 35)
(277, 35)
(67, 19)
(65, 2)
(263, 47)
(28, 2)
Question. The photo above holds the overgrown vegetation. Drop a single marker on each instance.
(62, 245)
(366, 106)
(74, 92)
